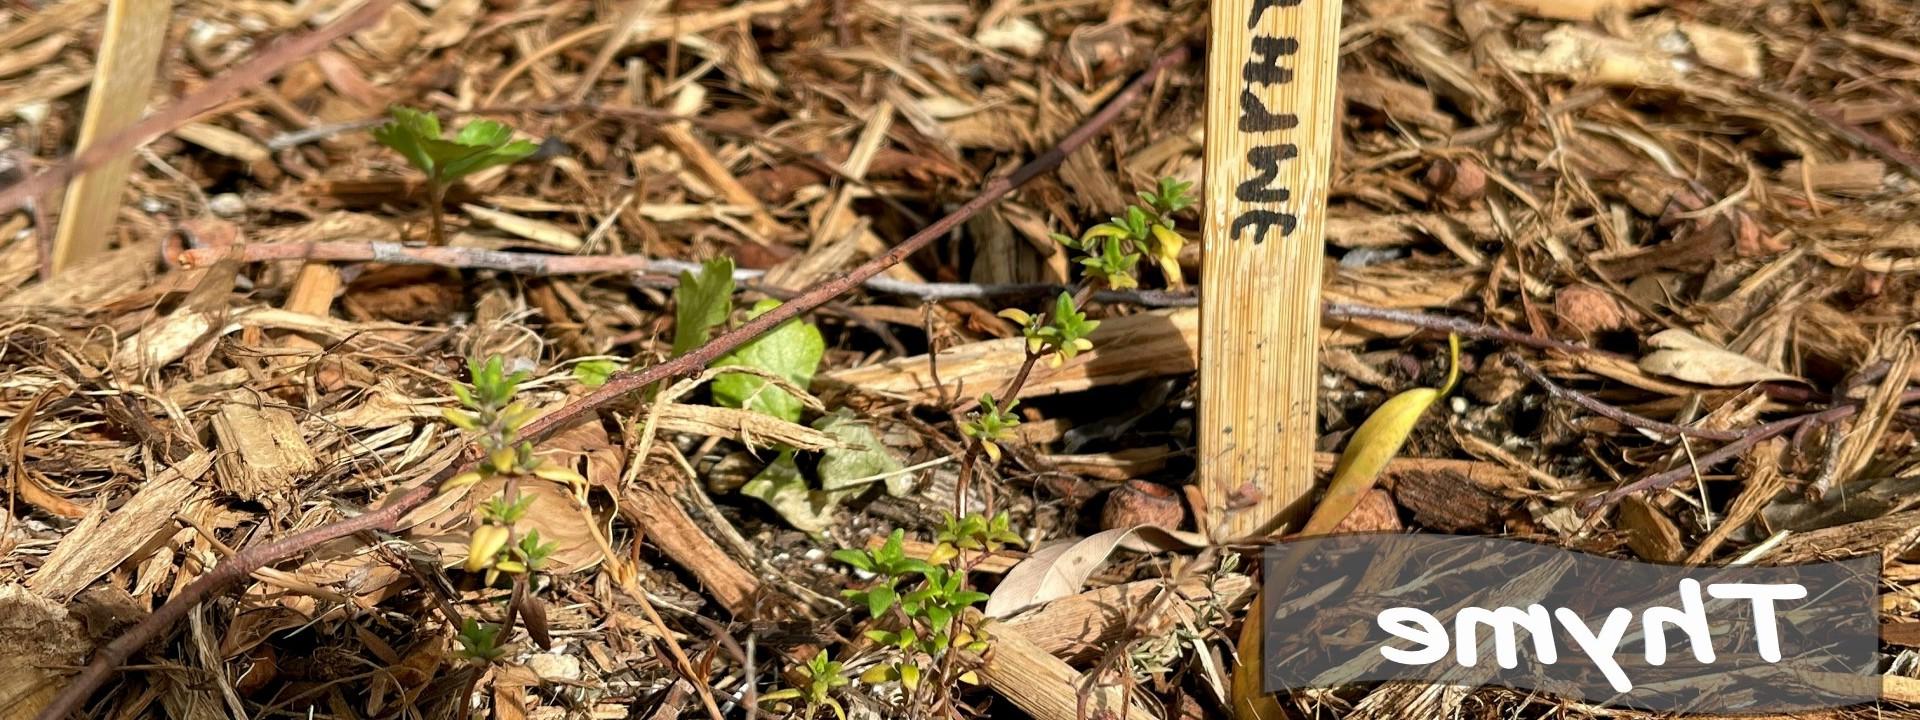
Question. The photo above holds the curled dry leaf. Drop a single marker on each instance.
(1681, 355)
(1053, 571)
(1374, 445)
(1059, 569)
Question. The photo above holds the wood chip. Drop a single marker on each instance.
(263, 451)
(83, 557)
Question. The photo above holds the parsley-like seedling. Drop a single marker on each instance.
(479, 145)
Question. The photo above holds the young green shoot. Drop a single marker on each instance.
(991, 425)
(479, 145)
(823, 676)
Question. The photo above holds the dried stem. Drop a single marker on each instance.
(248, 74)
(75, 694)
(1608, 411)
(1748, 439)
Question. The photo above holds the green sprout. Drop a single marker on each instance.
(976, 532)
(495, 419)
(944, 597)
(480, 642)
(1170, 198)
(823, 675)
(1061, 336)
(1112, 247)
(992, 425)
(932, 615)
(479, 145)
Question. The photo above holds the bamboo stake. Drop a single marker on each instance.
(1270, 81)
(122, 77)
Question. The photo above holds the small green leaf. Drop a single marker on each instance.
(405, 133)
(484, 133)
(857, 558)
(782, 486)
(868, 457)
(879, 599)
(475, 162)
(791, 351)
(594, 373)
(781, 694)
(701, 302)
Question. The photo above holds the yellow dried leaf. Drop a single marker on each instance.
(1372, 446)
(486, 543)
(1367, 453)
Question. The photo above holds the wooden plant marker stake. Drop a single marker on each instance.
(1270, 111)
(123, 73)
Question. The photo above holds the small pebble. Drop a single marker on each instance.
(1365, 256)
(1459, 405)
(227, 205)
(551, 667)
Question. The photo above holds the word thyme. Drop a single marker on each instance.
(1264, 68)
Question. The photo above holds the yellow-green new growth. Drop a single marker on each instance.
(495, 419)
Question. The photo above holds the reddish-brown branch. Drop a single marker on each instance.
(1468, 328)
(1748, 439)
(90, 678)
(246, 75)
(1616, 414)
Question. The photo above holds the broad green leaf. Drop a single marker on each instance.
(879, 599)
(594, 373)
(791, 351)
(701, 302)
(504, 155)
(1374, 444)
(782, 486)
(444, 154)
(484, 133)
(840, 467)
(405, 133)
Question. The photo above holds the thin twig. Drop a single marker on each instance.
(246, 75)
(540, 264)
(1850, 132)
(1455, 325)
(543, 264)
(1608, 411)
(75, 694)
(1748, 439)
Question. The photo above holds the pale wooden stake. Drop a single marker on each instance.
(122, 76)
(1269, 133)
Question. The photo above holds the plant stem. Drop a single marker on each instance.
(1748, 439)
(974, 448)
(437, 210)
(75, 694)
